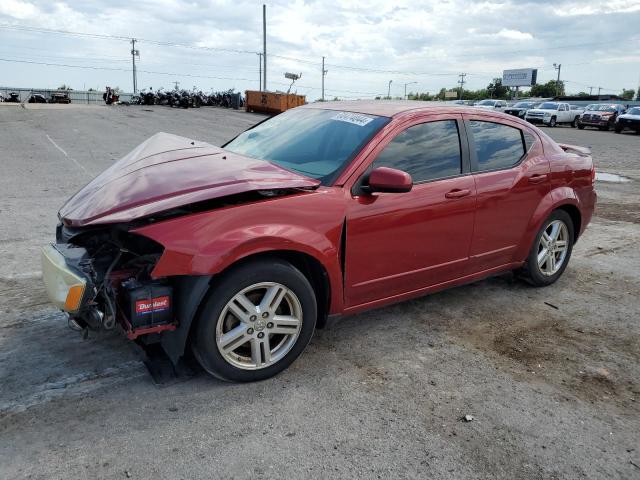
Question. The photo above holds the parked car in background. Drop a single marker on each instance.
(520, 108)
(37, 98)
(629, 120)
(461, 102)
(602, 116)
(552, 114)
(237, 253)
(60, 97)
(498, 105)
(14, 97)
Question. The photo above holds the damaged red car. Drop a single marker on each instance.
(237, 254)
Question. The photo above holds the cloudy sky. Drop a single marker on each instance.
(212, 44)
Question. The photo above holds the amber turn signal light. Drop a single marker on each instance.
(74, 297)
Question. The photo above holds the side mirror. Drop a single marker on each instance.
(389, 180)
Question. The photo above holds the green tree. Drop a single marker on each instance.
(497, 90)
(547, 89)
(628, 94)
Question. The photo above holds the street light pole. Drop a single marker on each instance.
(389, 90)
(324, 72)
(260, 69)
(264, 46)
(558, 67)
(405, 88)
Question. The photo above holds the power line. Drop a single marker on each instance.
(119, 37)
(92, 67)
(297, 59)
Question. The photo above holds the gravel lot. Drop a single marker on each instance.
(551, 376)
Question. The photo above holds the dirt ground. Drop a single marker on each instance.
(550, 376)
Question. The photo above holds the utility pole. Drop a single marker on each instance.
(461, 82)
(134, 53)
(264, 45)
(324, 72)
(590, 90)
(260, 69)
(558, 67)
(389, 90)
(599, 88)
(176, 84)
(405, 88)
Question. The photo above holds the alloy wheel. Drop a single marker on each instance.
(259, 325)
(553, 248)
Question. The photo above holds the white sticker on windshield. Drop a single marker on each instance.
(355, 118)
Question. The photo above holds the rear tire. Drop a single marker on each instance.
(580, 126)
(574, 124)
(552, 122)
(232, 339)
(617, 129)
(549, 256)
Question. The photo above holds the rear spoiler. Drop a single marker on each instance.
(582, 151)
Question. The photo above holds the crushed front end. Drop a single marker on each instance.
(101, 276)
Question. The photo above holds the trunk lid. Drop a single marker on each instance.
(168, 171)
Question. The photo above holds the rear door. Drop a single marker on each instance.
(511, 176)
(401, 242)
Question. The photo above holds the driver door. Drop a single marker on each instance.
(399, 243)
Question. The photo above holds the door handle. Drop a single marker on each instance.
(457, 193)
(537, 178)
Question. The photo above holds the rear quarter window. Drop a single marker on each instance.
(497, 146)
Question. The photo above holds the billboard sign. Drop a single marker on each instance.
(521, 77)
(450, 94)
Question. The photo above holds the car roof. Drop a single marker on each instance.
(389, 108)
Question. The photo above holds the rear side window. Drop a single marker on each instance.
(497, 146)
(426, 152)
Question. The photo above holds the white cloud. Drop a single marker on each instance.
(18, 9)
(428, 41)
(514, 34)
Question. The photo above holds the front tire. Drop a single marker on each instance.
(256, 321)
(552, 122)
(551, 250)
(580, 126)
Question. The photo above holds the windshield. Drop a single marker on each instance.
(605, 108)
(524, 105)
(487, 102)
(314, 142)
(634, 111)
(548, 106)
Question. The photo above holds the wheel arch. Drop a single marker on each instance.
(192, 290)
(563, 198)
(576, 217)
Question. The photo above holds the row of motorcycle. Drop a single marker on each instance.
(189, 99)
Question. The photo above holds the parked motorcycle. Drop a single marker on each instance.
(110, 96)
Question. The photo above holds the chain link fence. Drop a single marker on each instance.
(88, 97)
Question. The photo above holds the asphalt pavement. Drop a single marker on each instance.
(550, 377)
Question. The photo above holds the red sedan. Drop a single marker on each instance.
(239, 253)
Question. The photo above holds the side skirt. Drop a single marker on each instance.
(431, 289)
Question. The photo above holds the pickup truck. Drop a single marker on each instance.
(553, 113)
(487, 104)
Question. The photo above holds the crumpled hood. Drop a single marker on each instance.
(168, 171)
